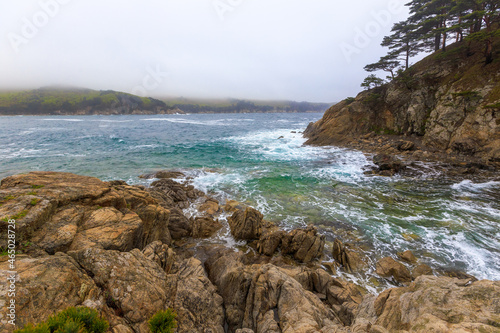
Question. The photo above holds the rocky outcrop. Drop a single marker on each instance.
(449, 102)
(108, 246)
(436, 304)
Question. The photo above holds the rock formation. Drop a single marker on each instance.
(126, 251)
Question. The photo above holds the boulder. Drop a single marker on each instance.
(179, 225)
(232, 206)
(388, 267)
(304, 245)
(407, 256)
(205, 226)
(210, 207)
(246, 224)
(349, 259)
(405, 145)
(387, 165)
(421, 269)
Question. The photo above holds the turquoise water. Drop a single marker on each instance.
(453, 225)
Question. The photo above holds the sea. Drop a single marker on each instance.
(261, 160)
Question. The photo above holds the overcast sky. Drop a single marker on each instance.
(312, 50)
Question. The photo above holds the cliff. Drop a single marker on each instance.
(449, 102)
(130, 251)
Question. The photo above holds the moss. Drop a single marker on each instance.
(37, 186)
(33, 202)
(18, 216)
(493, 106)
(32, 193)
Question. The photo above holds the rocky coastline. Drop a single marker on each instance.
(129, 251)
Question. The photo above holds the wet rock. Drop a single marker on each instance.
(210, 207)
(232, 206)
(169, 174)
(270, 241)
(388, 267)
(246, 224)
(421, 269)
(407, 256)
(304, 245)
(351, 261)
(387, 165)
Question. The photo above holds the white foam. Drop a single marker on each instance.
(475, 187)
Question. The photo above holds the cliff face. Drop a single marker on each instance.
(450, 100)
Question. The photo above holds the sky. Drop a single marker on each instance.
(302, 50)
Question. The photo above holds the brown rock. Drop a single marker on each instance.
(168, 174)
(304, 245)
(134, 285)
(440, 304)
(351, 261)
(407, 256)
(204, 227)
(232, 206)
(388, 267)
(210, 207)
(198, 306)
(46, 285)
(161, 254)
(270, 241)
(405, 145)
(421, 269)
(246, 224)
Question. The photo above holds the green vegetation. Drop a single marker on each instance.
(372, 81)
(18, 216)
(71, 320)
(434, 23)
(349, 100)
(163, 322)
(493, 106)
(467, 95)
(241, 106)
(37, 186)
(33, 202)
(67, 101)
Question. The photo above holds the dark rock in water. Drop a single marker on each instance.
(163, 174)
(388, 267)
(387, 165)
(281, 137)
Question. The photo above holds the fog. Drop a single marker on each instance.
(311, 50)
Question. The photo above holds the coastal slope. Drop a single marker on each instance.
(447, 103)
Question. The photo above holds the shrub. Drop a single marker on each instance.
(71, 320)
(163, 322)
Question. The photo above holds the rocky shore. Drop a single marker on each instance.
(129, 251)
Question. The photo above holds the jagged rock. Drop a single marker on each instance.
(351, 261)
(270, 241)
(161, 254)
(198, 306)
(134, 285)
(246, 224)
(421, 269)
(244, 330)
(304, 245)
(407, 256)
(439, 304)
(168, 174)
(210, 207)
(388, 267)
(204, 227)
(179, 225)
(44, 286)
